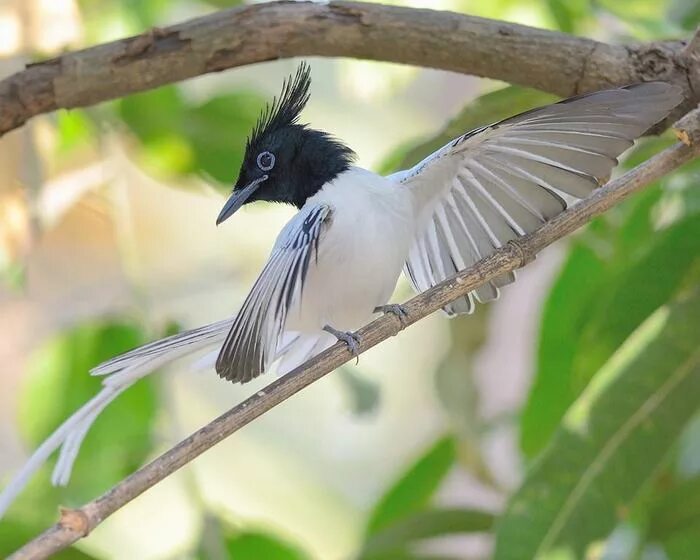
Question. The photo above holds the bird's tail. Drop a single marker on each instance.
(120, 374)
(295, 348)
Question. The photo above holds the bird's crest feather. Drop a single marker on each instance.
(285, 109)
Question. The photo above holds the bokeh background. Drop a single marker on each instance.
(107, 240)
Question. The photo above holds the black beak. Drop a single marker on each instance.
(238, 199)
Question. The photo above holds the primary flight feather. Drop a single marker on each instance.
(336, 262)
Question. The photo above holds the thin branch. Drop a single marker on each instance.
(75, 524)
(546, 60)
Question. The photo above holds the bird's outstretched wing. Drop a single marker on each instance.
(251, 345)
(504, 180)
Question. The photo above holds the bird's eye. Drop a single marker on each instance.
(266, 161)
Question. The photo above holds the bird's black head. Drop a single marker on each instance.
(286, 161)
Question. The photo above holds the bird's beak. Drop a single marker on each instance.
(238, 198)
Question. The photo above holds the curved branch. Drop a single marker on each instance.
(75, 524)
(546, 60)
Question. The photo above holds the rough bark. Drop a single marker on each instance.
(547, 60)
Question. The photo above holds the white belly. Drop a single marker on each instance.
(360, 255)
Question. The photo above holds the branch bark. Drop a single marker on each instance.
(546, 60)
(75, 524)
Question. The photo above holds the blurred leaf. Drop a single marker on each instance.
(636, 293)
(12, 275)
(688, 459)
(397, 156)
(564, 313)
(102, 16)
(612, 439)
(488, 108)
(224, 3)
(643, 19)
(259, 546)
(75, 129)
(217, 131)
(181, 137)
(410, 555)
(397, 538)
(569, 14)
(153, 114)
(58, 384)
(678, 510)
(364, 393)
(683, 546)
(616, 275)
(415, 487)
(685, 13)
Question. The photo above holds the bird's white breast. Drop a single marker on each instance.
(361, 252)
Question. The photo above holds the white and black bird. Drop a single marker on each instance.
(336, 262)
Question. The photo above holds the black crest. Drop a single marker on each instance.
(285, 110)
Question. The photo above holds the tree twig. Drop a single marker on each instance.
(75, 524)
(555, 62)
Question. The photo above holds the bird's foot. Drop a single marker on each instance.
(395, 309)
(348, 337)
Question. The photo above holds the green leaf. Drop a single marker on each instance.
(614, 278)
(564, 313)
(394, 539)
(685, 13)
(256, 546)
(153, 114)
(488, 108)
(611, 441)
(413, 490)
(569, 14)
(75, 129)
(642, 288)
(217, 131)
(683, 546)
(58, 384)
(180, 137)
(678, 510)
(363, 393)
(224, 3)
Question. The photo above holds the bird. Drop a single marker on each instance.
(335, 264)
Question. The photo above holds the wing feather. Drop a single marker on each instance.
(252, 343)
(502, 181)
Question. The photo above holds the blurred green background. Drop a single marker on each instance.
(560, 422)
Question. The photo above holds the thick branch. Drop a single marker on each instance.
(75, 524)
(547, 60)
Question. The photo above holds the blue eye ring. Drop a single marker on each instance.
(269, 162)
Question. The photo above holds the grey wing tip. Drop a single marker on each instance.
(235, 372)
(669, 94)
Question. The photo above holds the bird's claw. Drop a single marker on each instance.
(351, 339)
(395, 309)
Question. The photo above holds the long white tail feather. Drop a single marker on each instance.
(71, 445)
(206, 361)
(44, 451)
(181, 344)
(301, 349)
(122, 372)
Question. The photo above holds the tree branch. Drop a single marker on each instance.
(546, 60)
(75, 524)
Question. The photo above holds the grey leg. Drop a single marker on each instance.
(348, 337)
(395, 309)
